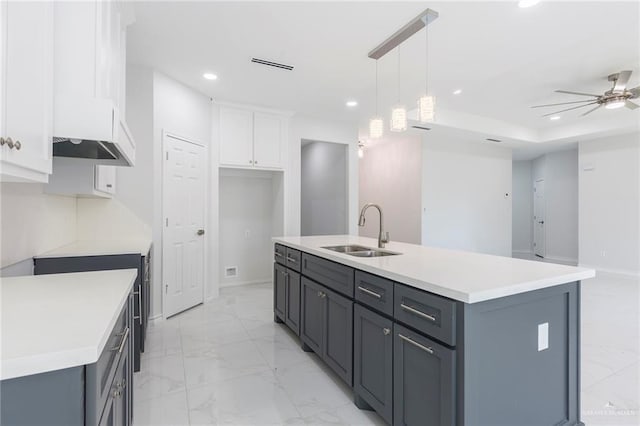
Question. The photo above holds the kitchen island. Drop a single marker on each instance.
(429, 336)
(65, 355)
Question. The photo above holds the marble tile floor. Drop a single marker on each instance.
(228, 363)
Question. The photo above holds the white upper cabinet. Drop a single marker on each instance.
(89, 76)
(81, 178)
(236, 137)
(105, 179)
(26, 80)
(252, 139)
(268, 136)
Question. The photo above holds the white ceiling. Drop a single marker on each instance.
(504, 58)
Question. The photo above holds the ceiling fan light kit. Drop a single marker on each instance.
(427, 103)
(616, 97)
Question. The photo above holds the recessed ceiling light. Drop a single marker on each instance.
(527, 3)
(210, 76)
(554, 117)
(352, 104)
(457, 91)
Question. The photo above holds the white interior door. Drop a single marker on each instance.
(538, 218)
(183, 237)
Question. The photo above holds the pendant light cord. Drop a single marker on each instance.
(426, 57)
(377, 88)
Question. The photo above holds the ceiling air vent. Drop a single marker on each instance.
(421, 127)
(272, 64)
(494, 140)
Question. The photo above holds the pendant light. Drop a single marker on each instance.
(398, 112)
(376, 125)
(427, 103)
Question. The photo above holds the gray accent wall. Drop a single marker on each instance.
(323, 189)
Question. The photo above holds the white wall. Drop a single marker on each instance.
(464, 196)
(108, 219)
(391, 176)
(323, 131)
(609, 203)
(32, 222)
(247, 207)
(157, 104)
(323, 208)
(522, 202)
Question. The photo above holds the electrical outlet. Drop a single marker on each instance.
(543, 336)
(230, 271)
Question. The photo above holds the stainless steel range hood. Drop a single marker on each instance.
(91, 129)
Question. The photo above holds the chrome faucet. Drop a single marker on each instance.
(383, 237)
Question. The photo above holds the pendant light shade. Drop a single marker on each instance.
(376, 128)
(427, 108)
(399, 119)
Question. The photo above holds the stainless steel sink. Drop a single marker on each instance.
(360, 251)
(347, 249)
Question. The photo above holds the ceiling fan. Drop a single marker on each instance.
(616, 97)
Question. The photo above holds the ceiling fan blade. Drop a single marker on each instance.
(635, 91)
(631, 105)
(569, 109)
(591, 110)
(563, 103)
(576, 93)
(621, 82)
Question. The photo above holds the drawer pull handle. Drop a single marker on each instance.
(417, 312)
(369, 292)
(125, 336)
(279, 254)
(140, 305)
(416, 344)
(292, 260)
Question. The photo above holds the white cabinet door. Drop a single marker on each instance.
(236, 137)
(105, 179)
(27, 102)
(267, 140)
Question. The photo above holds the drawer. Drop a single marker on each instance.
(280, 254)
(100, 375)
(374, 291)
(333, 275)
(426, 312)
(294, 259)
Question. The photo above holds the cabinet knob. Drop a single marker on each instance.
(2, 142)
(10, 143)
(255, 162)
(18, 145)
(386, 331)
(250, 161)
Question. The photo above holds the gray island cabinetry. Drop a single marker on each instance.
(492, 355)
(66, 366)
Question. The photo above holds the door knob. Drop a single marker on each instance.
(200, 232)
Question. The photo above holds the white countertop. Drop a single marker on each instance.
(100, 248)
(51, 322)
(464, 276)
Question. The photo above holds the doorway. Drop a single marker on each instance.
(539, 240)
(183, 209)
(323, 188)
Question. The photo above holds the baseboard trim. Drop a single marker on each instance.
(239, 283)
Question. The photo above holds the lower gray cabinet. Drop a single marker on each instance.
(338, 334)
(312, 308)
(292, 306)
(327, 327)
(279, 290)
(424, 380)
(373, 360)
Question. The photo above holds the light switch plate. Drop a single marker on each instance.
(543, 336)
